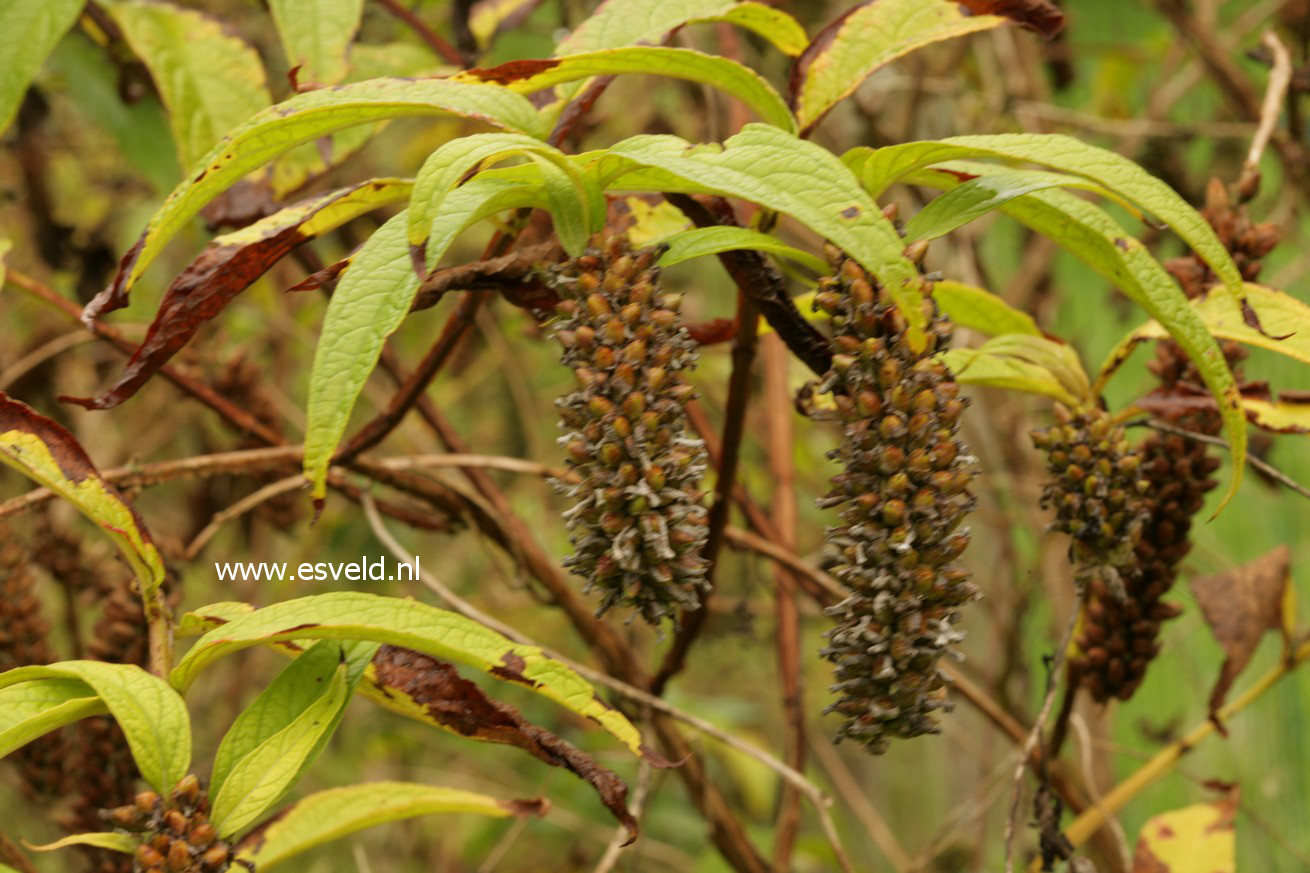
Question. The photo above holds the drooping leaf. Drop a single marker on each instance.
(1091, 235)
(301, 684)
(412, 625)
(124, 843)
(43, 450)
(1288, 414)
(337, 812)
(288, 731)
(1283, 317)
(703, 241)
(229, 265)
(431, 691)
(777, 170)
(1195, 839)
(209, 79)
(301, 119)
(315, 35)
(372, 299)
(1022, 362)
(1240, 605)
(977, 197)
(882, 167)
(151, 714)
(28, 33)
(577, 206)
(618, 23)
(33, 709)
(728, 76)
(876, 32)
(981, 310)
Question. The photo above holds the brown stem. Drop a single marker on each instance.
(435, 41)
(734, 428)
(492, 274)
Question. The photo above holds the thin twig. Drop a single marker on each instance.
(1280, 77)
(621, 835)
(1034, 735)
(1256, 463)
(882, 834)
(13, 855)
(240, 508)
(40, 355)
(444, 50)
(1089, 779)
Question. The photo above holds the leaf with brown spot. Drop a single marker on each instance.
(1195, 839)
(512, 71)
(443, 697)
(1240, 605)
(230, 265)
(1041, 16)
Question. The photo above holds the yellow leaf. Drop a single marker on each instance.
(1195, 839)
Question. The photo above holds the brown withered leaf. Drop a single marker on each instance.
(461, 706)
(1240, 605)
(228, 266)
(1039, 15)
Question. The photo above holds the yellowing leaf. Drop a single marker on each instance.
(877, 32)
(981, 310)
(113, 842)
(626, 22)
(210, 80)
(315, 35)
(335, 813)
(35, 708)
(46, 452)
(1279, 416)
(1194, 839)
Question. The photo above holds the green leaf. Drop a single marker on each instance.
(577, 207)
(151, 714)
(704, 241)
(33, 709)
(626, 22)
(678, 63)
(28, 33)
(869, 36)
(124, 843)
(977, 197)
(335, 813)
(981, 367)
(372, 300)
(779, 171)
(43, 450)
(210, 80)
(316, 34)
(418, 626)
(1091, 235)
(981, 310)
(294, 690)
(1115, 172)
(303, 118)
(265, 753)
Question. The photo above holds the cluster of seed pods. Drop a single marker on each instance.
(175, 833)
(638, 525)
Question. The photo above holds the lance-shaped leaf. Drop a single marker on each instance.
(315, 35)
(228, 266)
(46, 452)
(151, 714)
(301, 119)
(1240, 605)
(626, 22)
(1195, 839)
(1283, 317)
(298, 687)
(728, 76)
(412, 625)
(431, 691)
(1091, 235)
(882, 167)
(124, 843)
(576, 203)
(876, 32)
(371, 301)
(335, 813)
(33, 709)
(28, 33)
(1290, 413)
(981, 310)
(1022, 362)
(209, 80)
(702, 241)
(285, 733)
(777, 170)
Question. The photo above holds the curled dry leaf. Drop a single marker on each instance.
(229, 265)
(437, 690)
(1240, 605)
(1195, 839)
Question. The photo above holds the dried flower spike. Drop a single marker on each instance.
(638, 526)
(903, 494)
(175, 832)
